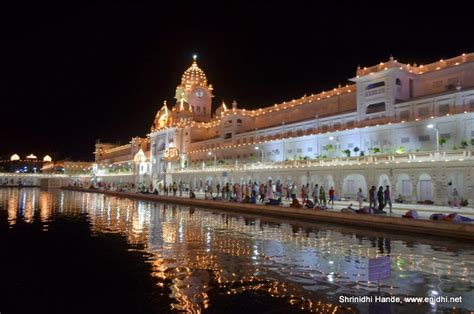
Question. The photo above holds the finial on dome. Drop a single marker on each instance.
(195, 57)
(391, 57)
(234, 104)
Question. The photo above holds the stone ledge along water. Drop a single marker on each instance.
(436, 228)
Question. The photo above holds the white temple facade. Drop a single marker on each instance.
(389, 112)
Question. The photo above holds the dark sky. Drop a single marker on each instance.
(76, 71)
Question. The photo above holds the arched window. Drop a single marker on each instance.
(398, 82)
(161, 145)
(239, 120)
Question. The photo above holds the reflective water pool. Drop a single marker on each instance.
(64, 251)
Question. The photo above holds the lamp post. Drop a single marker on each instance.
(431, 126)
(257, 148)
(215, 157)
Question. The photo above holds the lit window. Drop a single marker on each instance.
(424, 138)
(424, 112)
(375, 85)
(404, 115)
(443, 109)
(446, 136)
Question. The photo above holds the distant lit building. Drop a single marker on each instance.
(385, 110)
(67, 167)
(30, 164)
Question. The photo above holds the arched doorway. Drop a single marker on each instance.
(351, 185)
(403, 186)
(328, 182)
(456, 180)
(383, 181)
(424, 188)
(303, 180)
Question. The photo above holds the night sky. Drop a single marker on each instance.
(76, 71)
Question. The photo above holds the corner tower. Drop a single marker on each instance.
(196, 92)
(381, 86)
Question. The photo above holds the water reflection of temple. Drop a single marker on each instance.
(25, 203)
(194, 247)
(200, 251)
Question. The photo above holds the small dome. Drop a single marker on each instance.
(161, 118)
(193, 76)
(183, 106)
(14, 157)
(47, 158)
(31, 156)
(140, 156)
(222, 109)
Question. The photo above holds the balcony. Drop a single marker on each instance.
(407, 158)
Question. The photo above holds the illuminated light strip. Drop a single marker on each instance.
(464, 58)
(311, 164)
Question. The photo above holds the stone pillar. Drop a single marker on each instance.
(469, 181)
(438, 195)
(414, 192)
(338, 183)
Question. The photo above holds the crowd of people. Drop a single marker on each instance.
(16, 182)
(270, 193)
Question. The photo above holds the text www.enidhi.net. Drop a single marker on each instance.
(397, 299)
(438, 299)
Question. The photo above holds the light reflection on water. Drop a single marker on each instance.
(198, 252)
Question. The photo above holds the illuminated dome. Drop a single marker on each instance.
(193, 76)
(31, 156)
(47, 158)
(14, 157)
